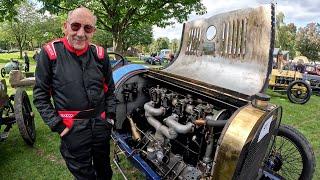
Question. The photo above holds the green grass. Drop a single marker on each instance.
(305, 118)
(5, 57)
(43, 161)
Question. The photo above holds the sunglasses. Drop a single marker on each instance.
(87, 28)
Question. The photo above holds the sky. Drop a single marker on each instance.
(299, 12)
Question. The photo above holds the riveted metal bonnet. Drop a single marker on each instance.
(231, 51)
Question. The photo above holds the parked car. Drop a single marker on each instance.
(164, 53)
(156, 60)
(314, 82)
(13, 50)
(14, 64)
(3, 51)
(313, 69)
(145, 58)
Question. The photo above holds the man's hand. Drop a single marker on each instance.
(64, 132)
(111, 122)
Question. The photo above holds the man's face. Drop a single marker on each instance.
(79, 28)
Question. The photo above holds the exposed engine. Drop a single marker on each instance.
(176, 133)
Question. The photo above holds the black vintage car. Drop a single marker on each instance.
(312, 76)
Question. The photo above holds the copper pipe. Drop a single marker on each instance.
(199, 122)
(135, 134)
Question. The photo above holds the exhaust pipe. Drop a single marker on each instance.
(172, 122)
(135, 134)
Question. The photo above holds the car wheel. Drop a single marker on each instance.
(24, 116)
(299, 92)
(291, 155)
(3, 72)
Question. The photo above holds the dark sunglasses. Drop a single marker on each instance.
(87, 28)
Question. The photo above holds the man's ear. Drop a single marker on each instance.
(64, 29)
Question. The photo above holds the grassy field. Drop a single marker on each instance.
(43, 161)
(5, 57)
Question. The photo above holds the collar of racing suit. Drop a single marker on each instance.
(72, 49)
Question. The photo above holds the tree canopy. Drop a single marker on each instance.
(286, 38)
(8, 9)
(305, 40)
(160, 43)
(28, 28)
(18, 28)
(308, 41)
(117, 16)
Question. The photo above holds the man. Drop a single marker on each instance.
(26, 61)
(78, 77)
(300, 67)
(280, 60)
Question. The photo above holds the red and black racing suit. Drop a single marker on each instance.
(78, 81)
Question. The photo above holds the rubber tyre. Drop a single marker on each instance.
(3, 72)
(24, 119)
(303, 146)
(295, 100)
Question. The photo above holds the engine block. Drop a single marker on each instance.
(177, 133)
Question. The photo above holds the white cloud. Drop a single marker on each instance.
(172, 32)
(298, 12)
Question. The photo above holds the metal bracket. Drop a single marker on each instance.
(116, 158)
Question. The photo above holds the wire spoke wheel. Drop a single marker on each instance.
(3, 72)
(291, 155)
(299, 92)
(24, 116)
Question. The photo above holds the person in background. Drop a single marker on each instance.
(300, 67)
(78, 77)
(26, 61)
(171, 57)
(281, 62)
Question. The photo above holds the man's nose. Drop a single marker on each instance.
(81, 32)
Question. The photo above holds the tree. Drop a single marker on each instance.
(160, 43)
(279, 19)
(46, 29)
(117, 16)
(138, 35)
(174, 45)
(308, 41)
(287, 38)
(6, 40)
(285, 35)
(21, 25)
(102, 38)
(8, 9)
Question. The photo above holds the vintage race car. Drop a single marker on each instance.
(205, 115)
(293, 83)
(12, 65)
